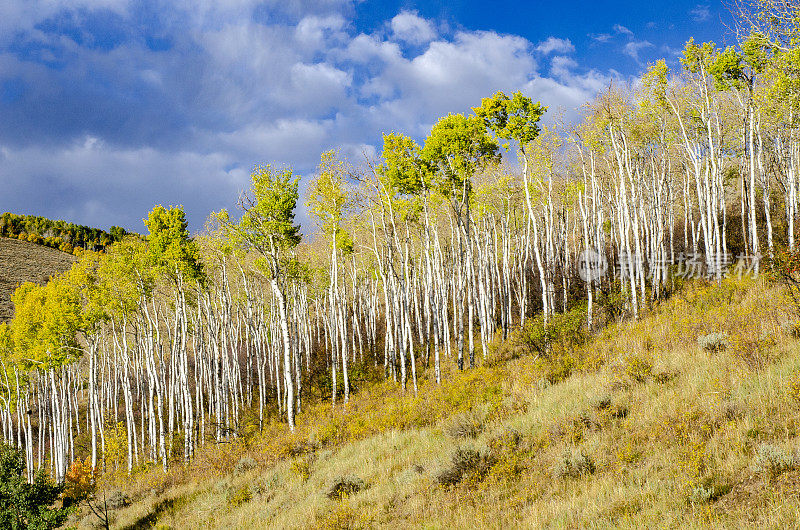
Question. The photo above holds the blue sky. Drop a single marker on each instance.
(108, 107)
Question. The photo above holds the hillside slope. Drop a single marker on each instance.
(686, 418)
(21, 261)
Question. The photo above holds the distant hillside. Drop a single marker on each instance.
(58, 234)
(22, 261)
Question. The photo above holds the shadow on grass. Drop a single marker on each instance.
(166, 506)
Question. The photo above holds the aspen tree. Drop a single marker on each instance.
(329, 202)
(458, 147)
(517, 118)
(267, 226)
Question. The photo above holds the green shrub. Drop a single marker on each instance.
(301, 467)
(638, 368)
(117, 500)
(562, 332)
(708, 491)
(731, 410)
(244, 465)
(467, 424)
(792, 328)
(24, 505)
(507, 456)
(345, 486)
(465, 464)
(239, 496)
(713, 342)
(773, 460)
(559, 367)
(573, 463)
(602, 402)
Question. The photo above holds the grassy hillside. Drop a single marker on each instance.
(23, 261)
(651, 423)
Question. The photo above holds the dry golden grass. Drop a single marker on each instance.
(26, 262)
(672, 432)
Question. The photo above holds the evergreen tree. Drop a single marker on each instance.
(24, 505)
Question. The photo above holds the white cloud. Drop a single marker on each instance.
(204, 15)
(286, 141)
(20, 17)
(452, 75)
(409, 27)
(315, 88)
(633, 48)
(567, 94)
(366, 48)
(185, 125)
(601, 37)
(473, 56)
(312, 32)
(670, 52)
(700, 13)
(622, 30)
(554, 44)
(561, 66)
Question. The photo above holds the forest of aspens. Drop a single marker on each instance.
(519, 321)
